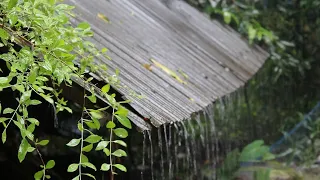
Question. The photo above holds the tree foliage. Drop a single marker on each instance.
(44, 52)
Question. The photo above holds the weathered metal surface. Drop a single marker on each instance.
(182, 40)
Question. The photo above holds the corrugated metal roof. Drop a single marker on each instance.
(155, 44)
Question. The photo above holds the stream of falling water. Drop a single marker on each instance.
(177, 144)
(161, 153)
(186, 142)
(207, 134)
(143, 155)
(169, 153)
(193, 146)
(214, 151)
(167, 146)
(151, 154)
(202, 131)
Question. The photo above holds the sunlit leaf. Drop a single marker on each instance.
(47, 98)
(38, 175)
(119, 153)
(84, 158)
(96, 114)
(90, 165)
(105, 88)
(23, 149)
(124, 121)
(43, 142)
(105, 167)
(4, 136)
(73, 167)
(101, 145)
(8, 111)
(227, 17)
(93, 138)
(89, 175)
(50, 164)
(122, 143)
(74, 142)
(106, 151)
(2, 119)
(11, 4)
(4, 35)
(111, 125)
(120, 132)
(87, 148)
(121, 167)
(83, 26)
(33, 121)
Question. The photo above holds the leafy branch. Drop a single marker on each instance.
(52, 52)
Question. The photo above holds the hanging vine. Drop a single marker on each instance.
(44, 52)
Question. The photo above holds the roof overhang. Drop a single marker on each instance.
(178, 59)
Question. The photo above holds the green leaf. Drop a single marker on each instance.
(124, 121)
(13, 19)
(251, 33)
(8, 110)
(50, 164)
(73, 167)
(33, 121)
(31, 149)
(32, 76)
(119, 153)
(87, 148)
(122, 111)
(92, 98)
(89, 175)
(120, 132)
(76, 178)
(83, 26)
(74, 142)
(4, 136)
(122, 143)
(35, 102)
(47, 98)
(90, 165)
(91, 124)
(23, 149)
(31, 128)
(80, 127)
(19, 87)
(38, 175)
(268, 156)
(101, 145)
(111, 125)
(93, 138)
(105, 88)
(2, 119)
(121, 167)
(105, 167)
(11, 4)
(3, 35)
(106, 151)
(227, 17)
(96, 114)
(84, 158)
(253, 151)
(43, 142)
(96, 123)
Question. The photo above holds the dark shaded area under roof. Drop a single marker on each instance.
(178, 59)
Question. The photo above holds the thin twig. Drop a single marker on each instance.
(110, 156)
